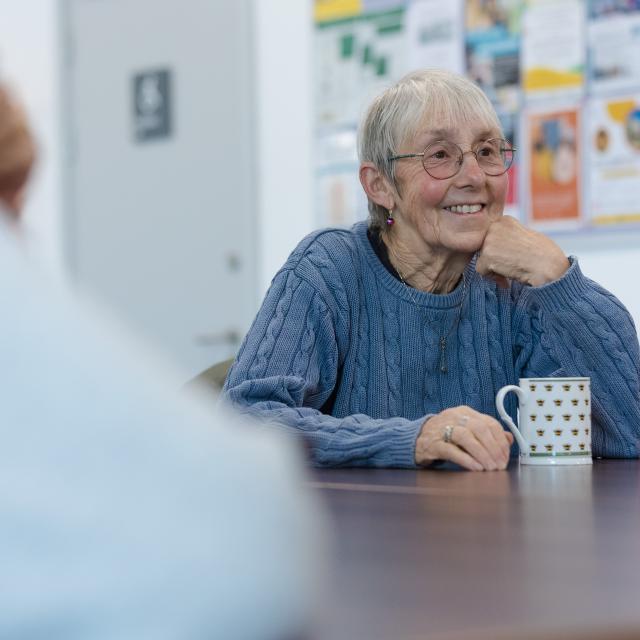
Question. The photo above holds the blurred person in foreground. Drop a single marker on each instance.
(127, 511)
(385, 344)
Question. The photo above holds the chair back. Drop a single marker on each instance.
(213, 377)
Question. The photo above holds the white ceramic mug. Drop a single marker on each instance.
(554, 416)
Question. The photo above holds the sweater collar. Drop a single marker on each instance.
(385, 273)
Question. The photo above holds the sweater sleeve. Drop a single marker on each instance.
(574, 327)
(287, 370)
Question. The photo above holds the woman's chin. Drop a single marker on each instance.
(467, 242)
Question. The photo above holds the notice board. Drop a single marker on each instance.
(563, 75)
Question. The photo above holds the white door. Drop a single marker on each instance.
(161, 190)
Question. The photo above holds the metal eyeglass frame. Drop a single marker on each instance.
(460, 157)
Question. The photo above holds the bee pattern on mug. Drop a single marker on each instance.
(553, 419)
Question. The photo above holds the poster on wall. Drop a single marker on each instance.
(492, 50)
(339, 195)
(355, 58)
(434, 35)
(553, 47)
(614, 46)
(492, 60)
(509, 123)
(336, 74)
(341, 198)
(614, 169)
(554, 163)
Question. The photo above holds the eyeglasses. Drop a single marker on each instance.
(443, 159)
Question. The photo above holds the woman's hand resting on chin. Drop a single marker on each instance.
(512, 252)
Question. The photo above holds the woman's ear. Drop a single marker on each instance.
(376, 186)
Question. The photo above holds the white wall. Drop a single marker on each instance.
(284, 94)
(30, 59)
(613, 260)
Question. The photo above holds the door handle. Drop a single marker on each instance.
(226, 336)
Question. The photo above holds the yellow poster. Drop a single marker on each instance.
(614, 167)
(325, 10)
(553, 46)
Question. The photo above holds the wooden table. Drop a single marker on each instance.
(534, 552)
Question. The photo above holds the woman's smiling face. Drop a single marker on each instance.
(450, 215)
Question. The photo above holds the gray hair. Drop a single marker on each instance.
(441, 97)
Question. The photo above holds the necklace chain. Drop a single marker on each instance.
(443, 338)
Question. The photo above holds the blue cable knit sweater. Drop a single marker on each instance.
(349, 356)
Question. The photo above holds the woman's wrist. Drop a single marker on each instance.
(550, 271)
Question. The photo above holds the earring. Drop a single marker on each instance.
(390, 220)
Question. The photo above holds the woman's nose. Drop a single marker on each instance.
(470, 171)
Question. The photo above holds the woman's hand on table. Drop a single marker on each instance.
(462, 435)
(510, 251)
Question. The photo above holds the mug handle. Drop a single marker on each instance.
(522, 398)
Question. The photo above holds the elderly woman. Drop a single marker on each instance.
(385, 344)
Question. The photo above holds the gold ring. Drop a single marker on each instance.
(448, 433)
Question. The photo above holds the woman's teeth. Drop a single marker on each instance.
(465, 208)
